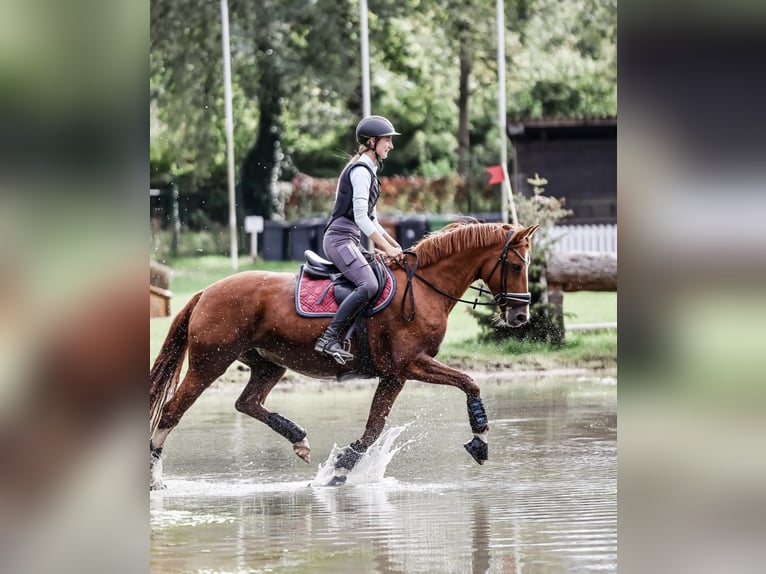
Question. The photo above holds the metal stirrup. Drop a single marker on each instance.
(340, 355)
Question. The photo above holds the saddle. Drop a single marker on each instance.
(321, 287)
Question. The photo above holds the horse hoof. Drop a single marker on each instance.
(478, 449)
(303, 450)
(305, 458)
(157, 486)
(337, 481)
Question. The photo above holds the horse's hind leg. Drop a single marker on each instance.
(204, 368)
(264, 375)
(384, 398)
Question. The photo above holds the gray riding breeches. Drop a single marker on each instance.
(342, 245)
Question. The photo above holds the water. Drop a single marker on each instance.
(239, 501)
(371, 468)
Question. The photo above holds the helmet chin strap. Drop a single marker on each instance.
(375, 151)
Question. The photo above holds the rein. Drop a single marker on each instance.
(502, 298)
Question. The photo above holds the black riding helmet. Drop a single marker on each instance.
(374, 127)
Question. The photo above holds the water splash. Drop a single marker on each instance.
(371, 467)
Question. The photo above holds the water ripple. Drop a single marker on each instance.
(545, 502)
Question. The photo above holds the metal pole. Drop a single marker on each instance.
(229, 131)
(363, 33)
(365, 46)
(507, 194)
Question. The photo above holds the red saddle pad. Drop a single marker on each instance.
(316, 297)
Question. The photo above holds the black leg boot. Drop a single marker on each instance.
(329, 342)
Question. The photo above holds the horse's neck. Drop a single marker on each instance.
(454, 275)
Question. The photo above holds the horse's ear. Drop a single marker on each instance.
(525, 233)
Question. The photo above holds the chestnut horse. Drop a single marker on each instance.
(250, 317)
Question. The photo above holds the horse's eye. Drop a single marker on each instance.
(516, 267)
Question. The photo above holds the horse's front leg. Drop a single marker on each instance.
(384, 398)
(429, 370)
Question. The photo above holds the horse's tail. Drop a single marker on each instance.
(165, 373)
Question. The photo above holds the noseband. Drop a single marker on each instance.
(502, 299)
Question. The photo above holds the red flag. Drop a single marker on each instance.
(495, 173)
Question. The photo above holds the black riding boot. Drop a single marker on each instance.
(329, 342)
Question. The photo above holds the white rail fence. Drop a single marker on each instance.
(583, 257)
(600, 238)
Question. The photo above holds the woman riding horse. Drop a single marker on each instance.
(354, 214)
(251, 317)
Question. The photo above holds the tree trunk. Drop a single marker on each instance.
(260, 169)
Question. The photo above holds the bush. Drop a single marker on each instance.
(202, 204)
(545, 324)
(211, 241)
(307, 196)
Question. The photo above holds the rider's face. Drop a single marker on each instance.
(384, 145)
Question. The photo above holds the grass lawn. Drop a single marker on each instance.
(582, 348)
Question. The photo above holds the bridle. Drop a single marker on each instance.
(504, 298)
(501, 299)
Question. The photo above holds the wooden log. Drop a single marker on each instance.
(582, 271)
(579, 271)
(159, 302)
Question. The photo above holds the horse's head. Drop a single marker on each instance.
(507, 277)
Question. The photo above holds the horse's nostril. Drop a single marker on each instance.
(521, 318)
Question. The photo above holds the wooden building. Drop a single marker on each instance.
(577, 156)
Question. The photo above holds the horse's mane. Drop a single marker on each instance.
(457, 237)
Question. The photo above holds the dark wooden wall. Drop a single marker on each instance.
(579, 162)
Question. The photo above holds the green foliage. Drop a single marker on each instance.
(545, 324)
(297, 89)
(211, 241)
(564, 60)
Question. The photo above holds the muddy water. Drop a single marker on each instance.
(238, 499)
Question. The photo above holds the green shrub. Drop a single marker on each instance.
(545, 323)
(212, 241)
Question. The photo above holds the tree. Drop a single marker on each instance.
(261, 165)
(296, 82)
(185, 85)
(563, 60)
